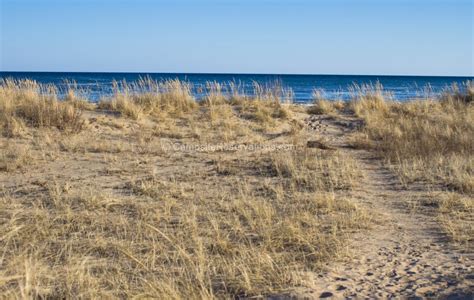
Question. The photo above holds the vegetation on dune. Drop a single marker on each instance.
(322, 106)
(113, 211)
(28, 103)
(110, 209)
(429, 141)
(173, 98)
(150, 98)
(427, 138)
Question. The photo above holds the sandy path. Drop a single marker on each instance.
(405, 255)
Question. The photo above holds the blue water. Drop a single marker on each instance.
(98, 85)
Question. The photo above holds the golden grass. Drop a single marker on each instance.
(13, 156)
(174, 98)
(427, 141)
(26, 103)
(115, 211)
(321, 106)
(151, 98)
(135, 204)
(456, 213)
(316, 170)
(167, 244)
(77, 101)
(425, 136)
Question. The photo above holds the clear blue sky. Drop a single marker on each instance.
(418, 37)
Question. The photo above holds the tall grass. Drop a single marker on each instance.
(168, 243)
(124, 218)
(32, 104)
(322, 106)
(429, 141)
(175, 98)
(201, 225)
(27, 103)
(109, 213)
(150, 97)
(433, 137)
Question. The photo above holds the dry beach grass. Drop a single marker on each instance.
(156, 195)
(428, 141)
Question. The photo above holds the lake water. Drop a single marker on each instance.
(99, 85)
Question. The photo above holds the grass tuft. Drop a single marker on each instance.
(28, 103)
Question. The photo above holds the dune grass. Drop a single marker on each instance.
(111, 208)
(148, 97)
(429, 142)
(322, 106)
(27, 103)
(136, 204)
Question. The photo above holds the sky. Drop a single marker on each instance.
(377, 37)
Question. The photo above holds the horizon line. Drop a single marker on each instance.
(237, 73)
